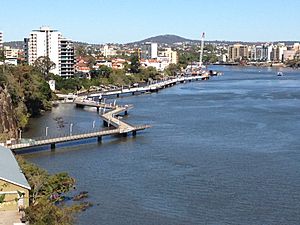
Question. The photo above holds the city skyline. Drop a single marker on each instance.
(123, 22)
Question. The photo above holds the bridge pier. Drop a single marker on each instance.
(118, 95)
(124, 134)
(98, 109)
(105, 123)
(134, 133)
(133, 93)
(126, 113)
(79, 106)
(52, 146)
(99, 139)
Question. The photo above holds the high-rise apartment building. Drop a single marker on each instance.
(50, 43)
(67, 63)
(149, 51)
(278, 52)
(238, 52)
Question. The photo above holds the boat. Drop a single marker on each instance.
(279, 74)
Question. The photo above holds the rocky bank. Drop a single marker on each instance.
(8, 120)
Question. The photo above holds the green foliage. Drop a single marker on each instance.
(46, 196)
(29, 91)
(149, 72)
(44, 65)
(172, 70)
(2, 197)
(2, 55)
(103, 71)
(91, 61)
(187, 57)
(46, 213)
(80, 51)
(135, 63)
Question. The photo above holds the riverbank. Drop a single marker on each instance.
(261, 64)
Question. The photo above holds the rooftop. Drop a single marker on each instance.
(10, 170)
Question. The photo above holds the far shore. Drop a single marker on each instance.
(257, 64)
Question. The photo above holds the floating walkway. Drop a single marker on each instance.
(110, 120)
(153, 87)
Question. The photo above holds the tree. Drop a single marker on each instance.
(44, 65)
(91, 61)
(150, 72)
(172, 69)
(105, 71)
(2, 55)
(80, 51)
(46, 196)
(135, 63)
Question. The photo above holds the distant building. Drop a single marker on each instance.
(11, 55)
(159, 64)
(103, 62)
(50, 43)
(261, 53)
(289, 54)
(170, 54)
(1, 39)
(237, 52)
(296, 46)
(118, 63)
(108, 51)
(82, 66)
(149, 51)
(278, 51)
(67, 62)
(13, 184)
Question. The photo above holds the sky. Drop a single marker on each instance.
(123, 21)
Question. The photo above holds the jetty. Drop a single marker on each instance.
(152, 87)
(111, 120)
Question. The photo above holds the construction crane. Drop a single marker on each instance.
(201, 51)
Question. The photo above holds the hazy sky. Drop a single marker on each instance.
(102, 21)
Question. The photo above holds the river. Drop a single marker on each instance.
(222, 151)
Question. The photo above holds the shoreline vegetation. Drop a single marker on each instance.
(47, 197)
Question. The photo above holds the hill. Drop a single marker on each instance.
(165, 39)
(15, 44)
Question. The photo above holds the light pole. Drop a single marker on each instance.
(71, 128)
(47, 131)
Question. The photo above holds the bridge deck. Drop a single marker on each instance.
(120, 127)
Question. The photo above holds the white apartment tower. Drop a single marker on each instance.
(50, 43)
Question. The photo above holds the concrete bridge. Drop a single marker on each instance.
(110, 120)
